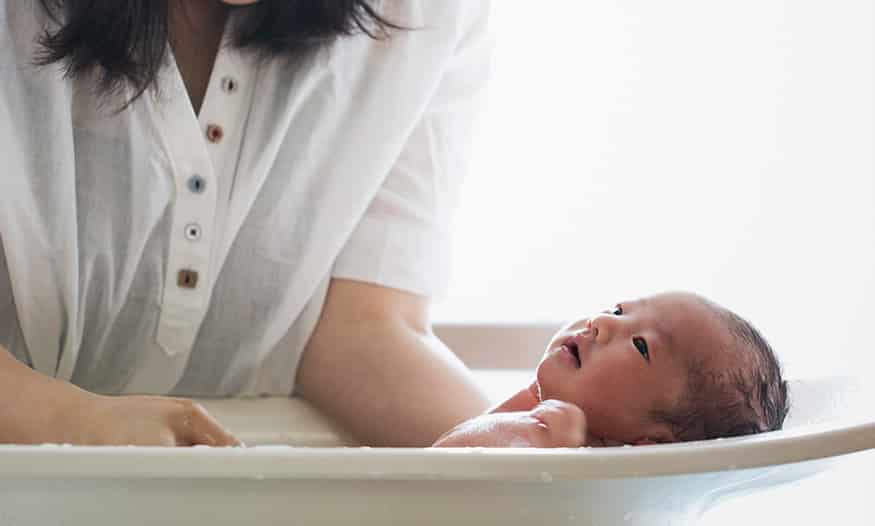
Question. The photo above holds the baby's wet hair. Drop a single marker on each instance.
(747, 399)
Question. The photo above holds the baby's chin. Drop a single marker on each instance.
(536, 390)
(539, 381)
(553, 377)
(544, 383)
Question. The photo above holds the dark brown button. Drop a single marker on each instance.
(215, 133)
(187, 279)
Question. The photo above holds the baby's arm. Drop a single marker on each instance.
(525, 400)
(551, 423)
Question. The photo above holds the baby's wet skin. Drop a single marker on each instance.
(623, 364)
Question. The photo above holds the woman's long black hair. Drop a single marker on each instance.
(125, 41)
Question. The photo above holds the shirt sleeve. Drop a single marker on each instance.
(403, 239)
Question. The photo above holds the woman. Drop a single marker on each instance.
(259, 207)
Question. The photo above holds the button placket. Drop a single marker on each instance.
(190, 243)
(223, 114)
(204, 160)
(187, 282)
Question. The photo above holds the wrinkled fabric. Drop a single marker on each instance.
(343, 165)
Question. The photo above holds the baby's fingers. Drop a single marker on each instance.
(562, 424)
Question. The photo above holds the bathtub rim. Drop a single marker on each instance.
(826, 442)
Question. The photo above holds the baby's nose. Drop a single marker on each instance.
(590, 328)
(587, 331)
(602, 326)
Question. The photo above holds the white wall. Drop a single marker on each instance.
(633, 146)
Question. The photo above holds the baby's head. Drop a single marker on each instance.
(666, 368)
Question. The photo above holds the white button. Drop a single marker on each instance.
(192, 231)
(229, 84)
(197, 184)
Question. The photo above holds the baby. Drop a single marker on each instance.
(667, 368)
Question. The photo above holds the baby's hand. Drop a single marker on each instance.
(552, 423)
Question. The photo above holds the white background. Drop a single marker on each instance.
(631, 146)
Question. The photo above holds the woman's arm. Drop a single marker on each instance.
(37, 409)
(31, 404)
(374, 365)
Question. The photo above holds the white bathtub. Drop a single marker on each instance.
(283, 484)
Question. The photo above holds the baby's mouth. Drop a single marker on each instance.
(571, 345)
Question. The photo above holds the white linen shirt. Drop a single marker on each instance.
(153, 250)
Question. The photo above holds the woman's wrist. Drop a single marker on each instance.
(68, 418)
(36, 408)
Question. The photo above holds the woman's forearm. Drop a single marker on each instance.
(414, 392)
(373, 366)
(34, 408)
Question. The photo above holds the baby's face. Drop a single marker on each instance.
(624, 363)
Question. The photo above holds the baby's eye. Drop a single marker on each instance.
(618, 310)
(641, 344)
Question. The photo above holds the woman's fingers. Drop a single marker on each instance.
(194, 426)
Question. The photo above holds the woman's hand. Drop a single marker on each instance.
(552, 423)
(143, 421)
(37, 409)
